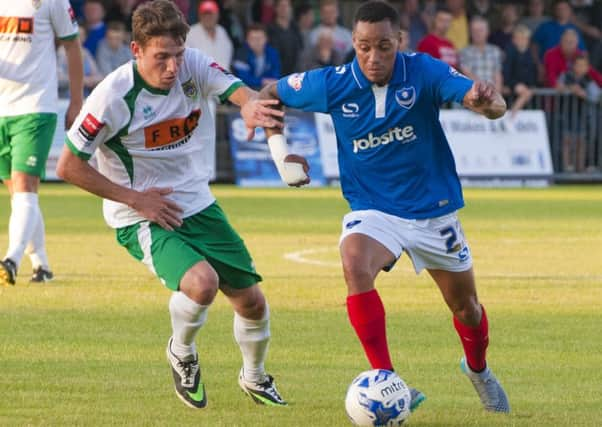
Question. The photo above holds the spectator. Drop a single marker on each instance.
(458, 29)
(484, 8)
(329, 14)
(92, 75)
(78, 8)
(548, 34)
(183, 5)
(577, 82)
(436, 43)
(304, 17)
(416, 24)
(121, 11)
(228, 19)
(261, 11)
(559, 59)
(519, 69)
(502, 37)
(429, 9)
(323, 54)
(481, 60)
(112, 50)
(596, 60)
(588, 18)
(285, 37)
(210, 37)
(535, 16)
(94, 14)
(257, 63)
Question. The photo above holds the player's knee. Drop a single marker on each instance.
(468, 312)
(356, 271)
(200, 284)
(253, 307)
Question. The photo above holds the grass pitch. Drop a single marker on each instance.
(88, 349)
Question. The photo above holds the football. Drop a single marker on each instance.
(378, 398)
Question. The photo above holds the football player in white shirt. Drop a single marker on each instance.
(149, 125)
(28, 98)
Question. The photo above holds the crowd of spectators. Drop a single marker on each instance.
(517, 45)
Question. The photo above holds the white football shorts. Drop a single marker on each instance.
(435, 243)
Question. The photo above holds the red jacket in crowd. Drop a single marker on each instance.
(557, 63)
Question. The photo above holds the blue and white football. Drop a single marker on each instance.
(378, 398)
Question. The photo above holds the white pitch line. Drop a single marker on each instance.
(300, 257)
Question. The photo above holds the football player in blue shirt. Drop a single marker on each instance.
(399, 177)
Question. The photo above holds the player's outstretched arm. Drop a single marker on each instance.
(292, 168)
(484, 99)
(151, 203)
(256, 112)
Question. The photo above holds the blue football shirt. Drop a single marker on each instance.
(392, 152)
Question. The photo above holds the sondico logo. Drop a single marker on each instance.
(403, 135)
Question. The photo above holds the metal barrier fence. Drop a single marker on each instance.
(574, 129)
(575, 133)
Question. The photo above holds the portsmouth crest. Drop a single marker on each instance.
(36, 4)
(190, 89)
(405, 97)
(296, 81)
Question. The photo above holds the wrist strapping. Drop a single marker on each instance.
(290, 172)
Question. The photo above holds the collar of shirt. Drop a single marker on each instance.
(398, 76)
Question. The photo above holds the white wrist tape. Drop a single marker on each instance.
(290, 172)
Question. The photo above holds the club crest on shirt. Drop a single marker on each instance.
(405, 97)
(190, 89)
(456, 73)
(296, 81)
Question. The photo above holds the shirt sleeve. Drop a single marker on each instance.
(214, 80)
(447, 83)
(63, 19)
(99, 120)
(305, 91)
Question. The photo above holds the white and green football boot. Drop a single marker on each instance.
(263, 392)
(187, 378)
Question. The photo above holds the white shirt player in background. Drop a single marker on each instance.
(149, 124)
(28, 99)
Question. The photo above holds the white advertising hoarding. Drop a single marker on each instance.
(512, 149)
(509, 147)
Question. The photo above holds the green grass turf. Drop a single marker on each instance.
(88, 349)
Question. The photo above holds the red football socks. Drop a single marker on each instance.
(367, 316)
(475, 341)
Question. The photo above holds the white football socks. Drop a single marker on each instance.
(253, 337)
(187, 317)
(24, 215)
(36, 249)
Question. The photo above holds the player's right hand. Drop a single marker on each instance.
(154, 206)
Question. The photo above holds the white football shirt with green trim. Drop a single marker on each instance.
(146, 137)
(28, 75)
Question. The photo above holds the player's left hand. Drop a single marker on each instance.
(261, 113)
(294, 158)
(482, 93)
